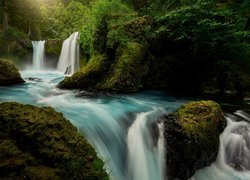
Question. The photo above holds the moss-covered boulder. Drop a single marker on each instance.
(39, 143)
(126, 73)
(192, 137)
(89, 75)
(9, 73)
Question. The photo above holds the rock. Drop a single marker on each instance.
(89, 75)
(126, 73)
(53, 47)
(39, 143)
(9, 73)
(129, 70)
(33, 79)
(192, 137)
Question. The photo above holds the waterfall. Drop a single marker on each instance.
(38, 55)
(145, 154)
(233, 160)
(69, 58)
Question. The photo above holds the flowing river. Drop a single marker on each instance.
(124, 129)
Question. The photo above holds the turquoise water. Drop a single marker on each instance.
(122, 128)
(106, 121)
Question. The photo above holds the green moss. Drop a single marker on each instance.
(16, 44)
(9, 73)
(53, 47)
(192, 137)
(40, 142)
(128, 71)
(200, 119)
(89, 75)
(201, 123)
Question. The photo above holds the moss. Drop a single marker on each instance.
(192, 137)
(125, 74)
(89, 75)
(16, 44)
(200, 119)
(39, 143)
(53, 47)
(9, 73)
(128, 71)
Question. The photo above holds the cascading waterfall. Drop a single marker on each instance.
(145, 154)
(69, 58)
(38, 55)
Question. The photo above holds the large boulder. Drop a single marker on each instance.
(192, 137)
(9, 73)
(39, 143)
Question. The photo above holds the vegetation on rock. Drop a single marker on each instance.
(187, 47)
(53, 47)
(89, 75)
(9, 73)
(39, 143)
(128, 71)
(192, 137)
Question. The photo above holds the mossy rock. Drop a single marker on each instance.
(124, 74)
(89, 75)
(39, 143)
(9, 73)
(192, 137)
(53, 47)
(128, 71)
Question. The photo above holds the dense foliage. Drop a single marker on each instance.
(203, 44)
(58, 20)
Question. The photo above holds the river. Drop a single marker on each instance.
(124, 129)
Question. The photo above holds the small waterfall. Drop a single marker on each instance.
(237, 145)
(69, 58)
(38, 55)
(145, 154)
(233, 160)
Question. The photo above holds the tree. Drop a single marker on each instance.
(21, 15)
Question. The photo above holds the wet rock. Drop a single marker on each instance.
(192, 137)
(34, 79)
(9, 74)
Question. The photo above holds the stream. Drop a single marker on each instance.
(124, 130)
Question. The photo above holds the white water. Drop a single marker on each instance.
(69, 58)
(233, 160)
(145, 153)
(38, 55)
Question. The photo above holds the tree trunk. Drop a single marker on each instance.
(5, 19)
